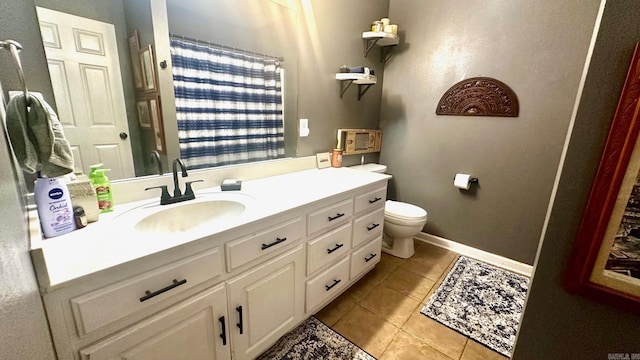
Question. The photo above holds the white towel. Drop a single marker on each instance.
(37, 137)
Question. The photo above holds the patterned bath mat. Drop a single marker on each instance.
(480, 301)
(314, 340)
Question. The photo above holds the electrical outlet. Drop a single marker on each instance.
(304, 127)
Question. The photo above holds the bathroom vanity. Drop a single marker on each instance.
(166, 282)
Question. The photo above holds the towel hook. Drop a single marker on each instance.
(14, 47)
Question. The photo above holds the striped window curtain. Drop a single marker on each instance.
(228, 105)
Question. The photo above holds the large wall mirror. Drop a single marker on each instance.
(263, 27)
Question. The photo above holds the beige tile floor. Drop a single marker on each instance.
(381, 312)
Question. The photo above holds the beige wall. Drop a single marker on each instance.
(538, 48)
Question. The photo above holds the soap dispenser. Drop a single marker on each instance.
(92, 170)
(103, 190)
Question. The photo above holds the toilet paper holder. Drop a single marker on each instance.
(471, 180)
(464, 181)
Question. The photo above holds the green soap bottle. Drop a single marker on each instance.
(103, 190)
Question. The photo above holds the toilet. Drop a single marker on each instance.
(402, 221)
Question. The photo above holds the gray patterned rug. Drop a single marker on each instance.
(314, 340)
(480, 301)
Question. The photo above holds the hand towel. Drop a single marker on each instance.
(37, 137)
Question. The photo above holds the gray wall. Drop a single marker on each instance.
(23, 324)
(557, 324)
(273, 36)
(333, 39)
(19, 23)
(538, 48)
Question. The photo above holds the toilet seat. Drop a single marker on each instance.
(403, 212)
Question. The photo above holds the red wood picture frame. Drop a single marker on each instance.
(609, 218)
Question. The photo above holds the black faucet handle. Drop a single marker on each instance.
(188, 191)
(165, 198)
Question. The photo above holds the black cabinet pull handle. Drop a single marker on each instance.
(367, 259)
(335, 282)
(375, 200)
(150, 294)
(369, 228)
(339, 215)
(338, 246)
(278, 241)
(223, 334)
(239, 324)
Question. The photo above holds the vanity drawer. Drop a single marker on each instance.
(106, 305)
(269, 241)
(328, 247)
(367, 227)
(327, 284)
(370, 200)
(366, 257)
(329, 217)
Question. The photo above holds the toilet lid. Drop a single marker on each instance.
(402, 210)
(372, 167)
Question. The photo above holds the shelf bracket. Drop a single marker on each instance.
(344, 88)
(369, 44)
(361, 91)
(362, 88)
(385, 53)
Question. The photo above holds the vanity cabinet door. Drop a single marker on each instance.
(371, 200)
(366, 257)
(327, 285)
(367, 227)
(328, 248)
(196, 328)
(265, 303)
(329, 217)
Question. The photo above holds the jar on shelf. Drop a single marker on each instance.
(377, 26)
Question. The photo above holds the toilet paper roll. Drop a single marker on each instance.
(462, 181)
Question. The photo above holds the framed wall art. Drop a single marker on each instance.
(156, 123)
(605, 262)
(148, 69)
(144, 118)
(134, 51)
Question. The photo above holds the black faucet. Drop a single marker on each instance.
(178, 196)
(176, 185)
(155, 158)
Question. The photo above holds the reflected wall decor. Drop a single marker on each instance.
(148, 69)
(134, 52)
(142, 105)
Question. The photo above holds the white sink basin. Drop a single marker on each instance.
(189, 215)
(205, 210)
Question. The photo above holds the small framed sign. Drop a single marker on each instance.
(323, 160)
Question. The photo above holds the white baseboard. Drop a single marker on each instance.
(493, 259)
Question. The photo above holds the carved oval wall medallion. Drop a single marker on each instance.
(479, 96)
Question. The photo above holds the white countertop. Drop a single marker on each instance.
(112, 240)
